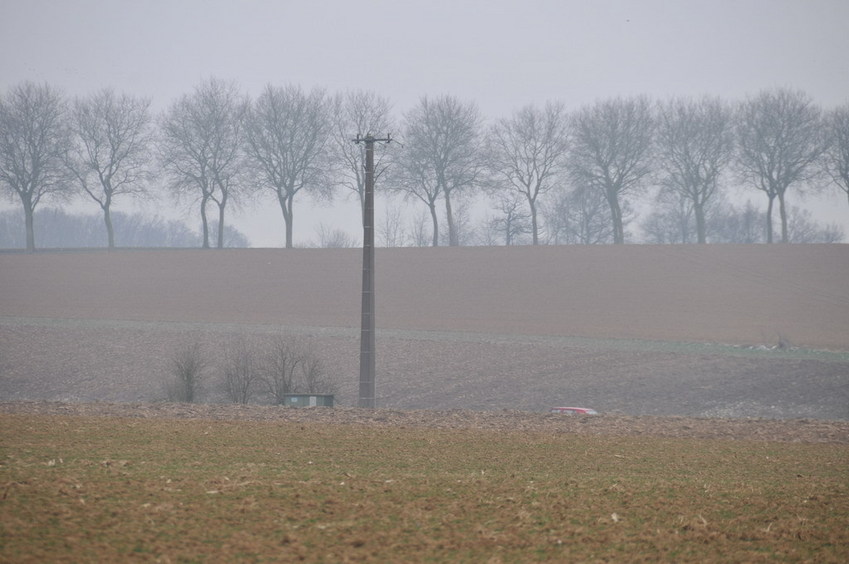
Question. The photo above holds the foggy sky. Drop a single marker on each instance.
(502, 54)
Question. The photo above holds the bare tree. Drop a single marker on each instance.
(359, 112)
(288, 137)
(391, 228)
(465, 231)
(836, 159)
(290, 369)
(202, 148)
(780, 137)
(187, 370)
(802, 228)
(314, 377)
(695, 141)
(729, 224)
(419, 236)
(581, 217)
(612, 151)
(33, 143)
(671, 221)
(527, 153)
(513, 221)
(334, 238)
(412, 176)
(112, 140)
(279, 371)
(441, 156)
(241, 371)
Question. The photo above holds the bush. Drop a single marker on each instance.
(291, 370)
(278, 369)
(187, 369)
(241, 372)
(314, 378)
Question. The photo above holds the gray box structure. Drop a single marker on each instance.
(308, 400)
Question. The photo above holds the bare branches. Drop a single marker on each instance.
(612, 151)
(527, 153)
(288, 369)
(779, 135)
(287, 140)
(110, 154)
(187, 370)
(241, 372)
(513, 221)
(441, 156)
(202, 148)
(580, 217)
(359, 112)
(280, 370)
(695, 141)
(33, 143)
(836, 158)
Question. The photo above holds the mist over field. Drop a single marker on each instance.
(634, 207)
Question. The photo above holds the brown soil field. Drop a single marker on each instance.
(632, 330)
(269, 484)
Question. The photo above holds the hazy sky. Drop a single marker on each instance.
(502, 54)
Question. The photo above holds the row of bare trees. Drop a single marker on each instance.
(213, 147)
(216, 148)
(689, 148)
(248, 369)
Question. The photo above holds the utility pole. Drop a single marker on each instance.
(367, 341)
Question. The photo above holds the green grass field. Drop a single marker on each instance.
(98, 489)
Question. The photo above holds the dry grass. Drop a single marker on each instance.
(115, 489)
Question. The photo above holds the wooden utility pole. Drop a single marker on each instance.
(367, 340)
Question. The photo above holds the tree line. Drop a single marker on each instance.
(56, 228)
(552, 174)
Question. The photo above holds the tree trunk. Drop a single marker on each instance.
(616, 217)
(534, 227)
(435, 220)
(221, 224)
(769, 218)
(204, 224)
(28, 219)
(453, 237)
(699, 210)
(782, 211)
(110, 232)
(285, 201)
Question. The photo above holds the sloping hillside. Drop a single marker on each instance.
(715, 293)
(632, 330)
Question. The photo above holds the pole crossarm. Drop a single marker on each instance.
(368, 138)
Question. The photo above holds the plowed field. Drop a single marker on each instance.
(636, 330)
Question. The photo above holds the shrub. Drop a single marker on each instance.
(241, 372)
(290, 369)
(187, 369)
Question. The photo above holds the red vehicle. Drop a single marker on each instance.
(573, 410)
